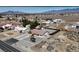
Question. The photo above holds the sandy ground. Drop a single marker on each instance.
(60, 43)
(8, 34)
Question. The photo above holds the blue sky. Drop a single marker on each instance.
(32, 9)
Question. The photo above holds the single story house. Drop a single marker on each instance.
(42, 31)
(20, 29)
(38, 32)
(58, 21)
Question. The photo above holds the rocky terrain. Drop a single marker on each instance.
(60, 42)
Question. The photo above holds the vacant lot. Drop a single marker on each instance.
(8, 34)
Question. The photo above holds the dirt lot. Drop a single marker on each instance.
(8, 34)
(71, 17)
(58, 43)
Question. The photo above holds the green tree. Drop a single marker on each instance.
(25, 22)
(34, 24)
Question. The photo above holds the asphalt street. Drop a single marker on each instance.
(7, 48)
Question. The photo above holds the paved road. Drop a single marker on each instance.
(7, 48)
(22, 36)
(26, 41)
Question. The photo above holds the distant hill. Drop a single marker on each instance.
(74, 10)
(12, 12)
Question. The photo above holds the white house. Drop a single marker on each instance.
(58, 21)
(47, 22)
(7, 25)
(74, 27)
(27, 28)
(20, 29)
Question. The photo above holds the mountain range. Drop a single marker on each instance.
(12, 12)
(74, 10)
